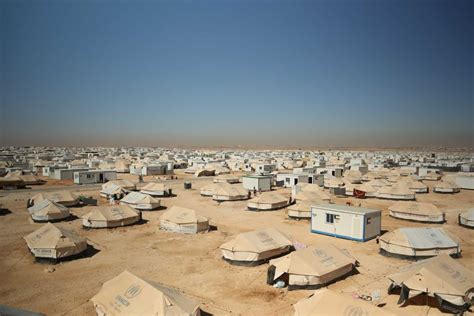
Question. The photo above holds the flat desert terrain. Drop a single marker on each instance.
(193, 263)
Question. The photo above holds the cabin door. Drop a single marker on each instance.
(101, 178)
(356, 227)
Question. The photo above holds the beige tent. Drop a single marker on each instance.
(325, 302)
(446, 187)
(369, 190)
(229, 192)
(419, 242)
(126, 294)
(229, 178)
(445, 280)
(111, 189)
(311, 267)
(110, 216)
(417, 211)
(398, 191)
(314, 195)
(379, 183)
(416, 186)
(155, 189)
(48, 211)
(466, 218)
(333, 182)
(11, 182)
(140, 201)
(183, 220)
(267, 201)
(209, 189)
(65, 198)
(53, 242)
(353, 176)
(204, 172)
(302, 209)
(254, 247)
(30, 179)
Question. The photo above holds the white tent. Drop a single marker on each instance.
(267, 201)
(48, 211)
(155, 189)
(443, 279)
(209, 189)
(466, 218)
(325, 302)
(140, 201)
(417, 211)
(183, 220)
(127, 294)
(419, 242)
(398, 191)
(111, 189)
(53, 242)
(108, 216)
(255, 247)
(229, 178)
(301, 209)
(311, 267)
(446, 187)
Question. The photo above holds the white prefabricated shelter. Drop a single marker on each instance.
(265, 168)
(268, 201)
(140, 201)
(417, 211)
(48, 211)
(126, 294)
(291, 179)
(418, 242)
(466, 218)
(325, 302)
(465, 180)
(442, 278)
(65, 174)
(183, 220)
(349, 222)
(257, 182)
(94, 176)
(108, 216)
(156, 189)
(52, 242)
(311, 267)
(255, 247)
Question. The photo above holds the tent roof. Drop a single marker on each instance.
(228, 189)
(420, 238)
(469, 214)
(258, 241)
(269, 197)
(110, 213)
(51, 236)
(182, 215)
(418, 208)
(137, 197)
(47, 207)
(58, 197)
(152, 186)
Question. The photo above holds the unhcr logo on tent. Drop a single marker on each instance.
(133, 291)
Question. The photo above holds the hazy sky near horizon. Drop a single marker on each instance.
(250, 73)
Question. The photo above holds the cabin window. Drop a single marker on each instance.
(287, 180)
(330, 218)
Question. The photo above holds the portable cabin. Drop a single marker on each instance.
(257, 182)
(291, 179)
(94, 176)
(265, 168)
(65, 174)
(349, 222)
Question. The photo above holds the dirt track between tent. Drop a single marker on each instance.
(192, 263)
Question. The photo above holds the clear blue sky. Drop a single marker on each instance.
(266, 73)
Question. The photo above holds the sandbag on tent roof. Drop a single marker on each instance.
(140, 201)
(209, 189)
(108, 216)
(127, 294)
(417, 211)
(155, 189)
(267, 201)
(111, 190)
(419, 242)
(441, 277)
(53, 242)
(325, 302)
(398, 191)
(311, 267)
(183, 220)
(65, 198)
(229, 178)
(229, 192)
(302, 209)
(255, 247)
(466, 218)
(446, 187)
(48, 211)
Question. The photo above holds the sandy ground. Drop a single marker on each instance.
(192, 263)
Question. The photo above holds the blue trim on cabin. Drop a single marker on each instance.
(336, 235)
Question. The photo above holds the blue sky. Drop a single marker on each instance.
(250, 73)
